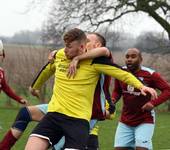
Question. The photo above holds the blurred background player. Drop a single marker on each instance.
(4, 85)
(137, 121)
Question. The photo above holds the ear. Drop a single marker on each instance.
(141, 59)
(81, 46)
(98, 44)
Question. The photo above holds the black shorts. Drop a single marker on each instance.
(93, 143)
(55, 125)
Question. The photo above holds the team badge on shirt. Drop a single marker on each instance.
(130, 88)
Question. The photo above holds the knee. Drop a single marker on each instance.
(22, 119)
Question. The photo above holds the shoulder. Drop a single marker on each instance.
(147, 70)
(59, 53)
(1, 70)
(105, 61)
(1, 73)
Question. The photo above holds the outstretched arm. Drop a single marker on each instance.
(104, 65)
(164, 87)
(6, 88)
(46, 72)
(117, 91)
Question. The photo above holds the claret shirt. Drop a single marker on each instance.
(5, 87)
(74, 96)
(132, 114)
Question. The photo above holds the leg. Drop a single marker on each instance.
(25, 115)
(47, 132)
(93, 143)
(36, 112)
(37, 143)
(143, 136)
(80, 127)
(124, 137)
(31, 113)
(60, 144)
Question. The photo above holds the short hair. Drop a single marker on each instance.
(137, 50)
(74, 35)
(100, 38)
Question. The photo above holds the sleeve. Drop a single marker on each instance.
(45, 73)
(105, 66)
(111, 106)
(163, 86)
(6, 88)
(106, 86)
(117, 91)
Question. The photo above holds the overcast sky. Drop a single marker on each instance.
(14, 18)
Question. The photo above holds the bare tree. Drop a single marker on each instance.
(153, 42)
(95, 13)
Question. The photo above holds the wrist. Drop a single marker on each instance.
(141, 87)
(21, 102)
(152, 103)
(77, 58)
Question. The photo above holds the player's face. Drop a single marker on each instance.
(92, 42)
(73, 49)
(132, 60)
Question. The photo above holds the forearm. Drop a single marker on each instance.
(12, 94)
(45, 73)
(120, 74)
(8, 90)
(97, 52)
(164, 96)
(161, 84)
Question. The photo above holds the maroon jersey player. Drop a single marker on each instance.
(136, 124)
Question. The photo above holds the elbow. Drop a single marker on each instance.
(106, 52)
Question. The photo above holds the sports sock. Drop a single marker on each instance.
(8, 141)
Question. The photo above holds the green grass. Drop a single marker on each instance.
(106, 133)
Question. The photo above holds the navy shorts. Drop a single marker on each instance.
(54, 126)
(92, 143)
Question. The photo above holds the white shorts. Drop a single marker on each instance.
(139, 136)
(43, 108)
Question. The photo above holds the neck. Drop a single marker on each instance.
(135, 69)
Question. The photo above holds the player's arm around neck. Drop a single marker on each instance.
(111, 69)
(93, 53)
(90, 54)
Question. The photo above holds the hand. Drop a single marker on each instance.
(144, 90)
(109, 115)
(34, 92)
(112, 107)
(24, 101)
(147, 107)
(72, 67)
(51, 56)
